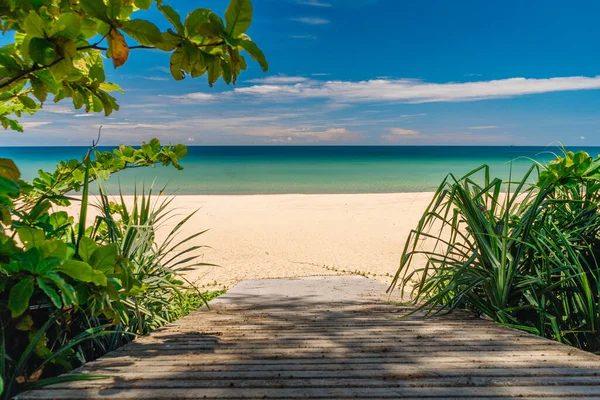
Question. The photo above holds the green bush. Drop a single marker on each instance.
(70, 293)
(524, 254)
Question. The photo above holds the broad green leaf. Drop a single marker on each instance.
(27, 102)
(214, 71)
(50, 292)
(8, 169)
(47, 264)
(39, 89)
(117, 48)
(143, 4)
(180, 150)
(95, 8)
(169, 41)
(42, 51)
(62, 69)
(145, 32)
(89, 28)
(98, 278)
(255, 53)
(110, 87)
(78, 270)
(178, 60)
(31, 237)
(173, 17)
(238, 17)
(18, 299)
(25, 323)
(8, 186)
(104, 257)
(54, 248)
(34, 25)
(204, 22)
(87, 247)
(68, 25)
(114, 9)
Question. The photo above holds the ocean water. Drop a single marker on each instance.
(318, 169)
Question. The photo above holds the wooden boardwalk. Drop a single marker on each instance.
(328, 338)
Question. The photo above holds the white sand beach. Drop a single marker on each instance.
(291, 235)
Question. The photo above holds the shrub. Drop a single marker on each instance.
(527, 258)
(70, 293)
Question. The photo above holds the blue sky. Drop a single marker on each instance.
(389, 72)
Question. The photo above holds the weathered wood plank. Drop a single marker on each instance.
(347, 349)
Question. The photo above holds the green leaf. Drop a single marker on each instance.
(169, 42)
(25, 323)
(31, 237)
(87, 247)
(98, 278)
(143, 4)
(173, 17)
(238, 17)
(114, 9)
(42, 51)
(178, 61)
(50, 292)
(255, 53)
(8, 169)
(78, 270)
(39, 90)
(204, 22)
(143, 31)
(68, 25)
(95, 8)
(104, 257)
(110, 87)
(180, 150)
(89, 28)
(18, 299)
(34, 25)
(214, 71)
(28, 102)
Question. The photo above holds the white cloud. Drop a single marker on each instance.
(320, 74)
(278, 79)
(31, 124)
(283, 134)
(416, 91)
(86, 115)
(309, 37)
(582, 137)
(155, 78)
(192, 97)
(51, 108)
(314, 3)
(483, 127)
(311, 20)
(403, 132)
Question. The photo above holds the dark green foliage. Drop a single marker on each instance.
(526, 258)
(71, 292)
(58, 49)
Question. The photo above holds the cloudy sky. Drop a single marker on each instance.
(382, 72)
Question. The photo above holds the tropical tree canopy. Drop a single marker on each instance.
(59, 48)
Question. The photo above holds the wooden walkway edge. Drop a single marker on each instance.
(332, 338)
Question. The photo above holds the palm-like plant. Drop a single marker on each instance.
(158, 267)
(523, 254)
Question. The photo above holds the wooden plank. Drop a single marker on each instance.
(360, 349)
(320, 393)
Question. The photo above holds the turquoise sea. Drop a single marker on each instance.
(318, 169)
